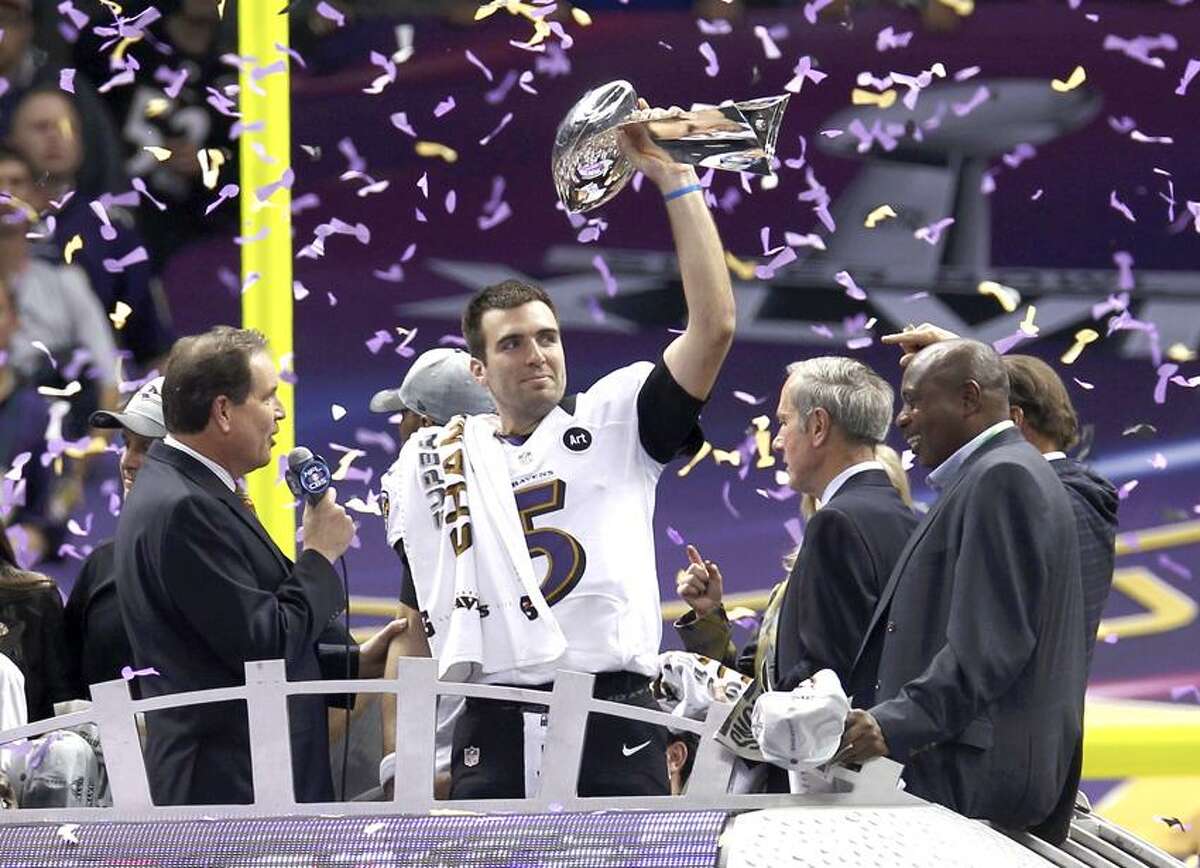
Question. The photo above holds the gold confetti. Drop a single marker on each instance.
(118, 53)
(581, 17)
(73, 247)
(866, 97)
(221, 9)
(160, 154)
(1083, 337)
(733, 459)
(435, 149)
(211, 161)
(156, 106)
(1008, 297)
(700, 455)
(119, 315)
(72, 388)
(1078, 77)
(96, 446)
(879, 214)
(1180, 353)
(113, 6)
(739, 268)
(738, 612)
(960, 7)
(762, 442)
(1027, 327)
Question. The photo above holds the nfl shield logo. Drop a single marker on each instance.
(470, 757)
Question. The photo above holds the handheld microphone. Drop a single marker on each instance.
(307, 475)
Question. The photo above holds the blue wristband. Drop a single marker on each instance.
(682, 191)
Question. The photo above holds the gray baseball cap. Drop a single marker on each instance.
(438, 385)
(142, 415)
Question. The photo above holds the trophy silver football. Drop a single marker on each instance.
(589, 168)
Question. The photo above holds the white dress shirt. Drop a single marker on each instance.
(221, 473)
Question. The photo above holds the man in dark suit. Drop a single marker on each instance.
(833, 412)
(203, 588)
(978, 640)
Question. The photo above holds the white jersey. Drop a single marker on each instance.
(585, 492)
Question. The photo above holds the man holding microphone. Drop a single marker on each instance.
(203, 588)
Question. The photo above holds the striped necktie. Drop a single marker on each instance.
(244, 497)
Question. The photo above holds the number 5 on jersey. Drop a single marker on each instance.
(565, 557)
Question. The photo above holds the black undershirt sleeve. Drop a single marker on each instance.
(408, 590)
(668, 417)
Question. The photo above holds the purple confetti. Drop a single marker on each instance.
(1125, 490)
(129, 673)
(610, 283)
(1139, 47)
(497, 95)
(66, 80)
(444, 107)
(226, 193)
(393, 274)
(501, 213)
(1175, 567)
(961, 109)
(1003, 345)
(1178, 693)
(1165, 373)
(887, 39)
(794, 529)
(1121, 207)
(674, 536)
(859, 343)
(325, 10)
(487, 73)
(811, 10)
(503, 123)
(802, 72)
(595, 311)
(400, 121)
(725, 499)
(718, 27)
(932, 233)
(78, 19)
(712, 67)
(133, 257)
(853, 290)
(451, 202)
(766, 272)
(1193, 69)
(1124, 262)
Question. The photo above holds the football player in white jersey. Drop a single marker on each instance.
(584, 469)
(437, 386)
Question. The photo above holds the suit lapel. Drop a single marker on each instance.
(889, 589)
(205, 479)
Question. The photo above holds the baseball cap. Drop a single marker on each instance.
(438, 385)
(143, 414)
(802, 729)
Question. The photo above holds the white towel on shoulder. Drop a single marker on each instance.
(483, 609)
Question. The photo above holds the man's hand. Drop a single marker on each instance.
(372, 654)
(862, 739)
(647, 157)
(327, 527)
(915, 338)
(700, 585)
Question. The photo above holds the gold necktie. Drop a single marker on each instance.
(244, 497)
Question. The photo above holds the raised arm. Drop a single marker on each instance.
(695, 357)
